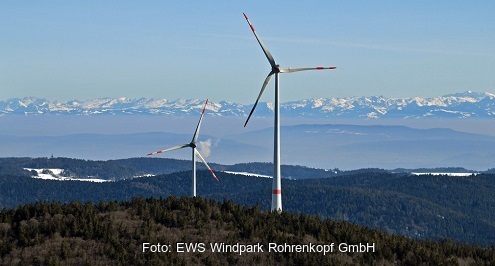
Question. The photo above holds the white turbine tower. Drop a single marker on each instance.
(276, 69)
(195, 152)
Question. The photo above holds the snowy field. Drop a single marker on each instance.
(247, 174)
(56, 174)
(448, 174)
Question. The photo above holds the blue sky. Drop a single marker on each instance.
(66, 50)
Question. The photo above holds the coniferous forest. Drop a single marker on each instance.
(113, 233)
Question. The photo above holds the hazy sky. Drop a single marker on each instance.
(65, 50)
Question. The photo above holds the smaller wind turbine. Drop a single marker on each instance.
(195, 152)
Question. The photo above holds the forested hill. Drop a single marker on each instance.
(133, 167)
(420, 207)
(111, 233)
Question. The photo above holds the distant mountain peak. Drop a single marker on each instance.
(468, 104)
(469, 93)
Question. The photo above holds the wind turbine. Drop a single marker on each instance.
(195, 152)
(276, 69)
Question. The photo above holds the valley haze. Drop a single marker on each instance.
(454, 130)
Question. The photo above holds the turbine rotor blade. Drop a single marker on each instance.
(196, 133)
(267, 53)
(290, 70)
(170, 149)
(207, 166)
(267, 79)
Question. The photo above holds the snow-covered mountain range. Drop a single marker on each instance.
(460, 105)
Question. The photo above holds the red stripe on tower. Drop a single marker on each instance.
(277, 191)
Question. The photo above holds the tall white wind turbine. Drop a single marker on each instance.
(276, 69)
(195, 152)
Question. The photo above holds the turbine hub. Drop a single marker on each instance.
(276, 69)
(192, 145)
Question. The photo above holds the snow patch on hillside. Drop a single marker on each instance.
(247, 174)
(447, 174)
(56, 174)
